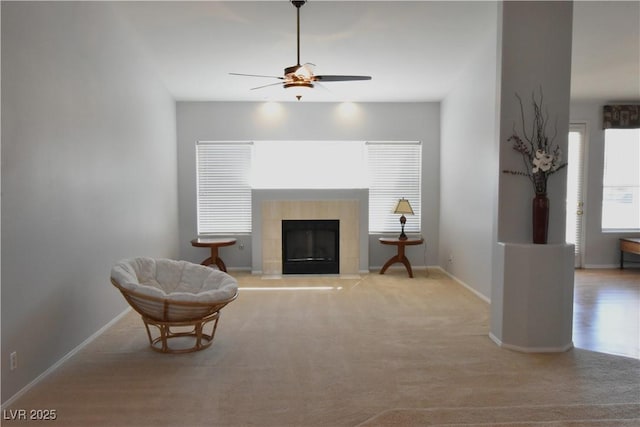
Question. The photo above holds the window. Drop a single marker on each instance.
(308, 164)
(395, 171)
(575, 173)
(223, 190)
(227, 171)
(621, 180)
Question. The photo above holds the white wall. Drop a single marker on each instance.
(308, 121)
(600, 249)
(469, 168)
(88, 176)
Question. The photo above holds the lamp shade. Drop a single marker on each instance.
(403, 207)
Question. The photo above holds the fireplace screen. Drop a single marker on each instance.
(311, 246)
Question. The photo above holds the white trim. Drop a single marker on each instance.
(66, 357)
(239, 269)
(377, 268)
(601, 266)
(463, 284)
(521, 349)
(446, 273)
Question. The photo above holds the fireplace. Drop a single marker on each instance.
(311, 246)
(270, 206)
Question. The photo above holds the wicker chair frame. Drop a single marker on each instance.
(194, 315)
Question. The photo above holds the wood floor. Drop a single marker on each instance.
(606, 315)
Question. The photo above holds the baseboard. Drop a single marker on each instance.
(376, 268)
(239, 269)
(463, 284)
(601, 266)
(66, 357)
(443, 271)
(521, 349)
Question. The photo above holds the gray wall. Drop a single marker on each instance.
(88, 176)
(531, 36)
(525, 70)
(600, 249)
(308, 121)
(469, 169)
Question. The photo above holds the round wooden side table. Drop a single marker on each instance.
(214, 244)
(400, 256)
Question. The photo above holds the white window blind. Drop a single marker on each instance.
(223, 189)
(575, 173)
(395, 171)
(621, 180)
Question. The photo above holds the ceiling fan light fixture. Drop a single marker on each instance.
(298, 84)
(301, 87)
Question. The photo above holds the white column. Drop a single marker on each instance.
(532, 294)
(532, 302)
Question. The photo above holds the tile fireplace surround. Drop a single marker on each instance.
(271, 206)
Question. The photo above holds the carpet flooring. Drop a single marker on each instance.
(375, 350)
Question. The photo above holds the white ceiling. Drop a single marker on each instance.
(414, 50)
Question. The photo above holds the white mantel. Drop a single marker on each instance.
(271, 206)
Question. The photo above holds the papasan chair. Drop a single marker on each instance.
(178, 298)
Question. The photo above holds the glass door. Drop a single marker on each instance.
(575, 179)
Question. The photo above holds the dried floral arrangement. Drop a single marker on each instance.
(541, 158)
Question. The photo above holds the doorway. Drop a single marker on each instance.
(575, 190)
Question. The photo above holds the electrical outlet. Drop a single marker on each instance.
(450, 258)
(241, 246)
(13, 361)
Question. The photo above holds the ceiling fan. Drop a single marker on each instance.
(297, 76)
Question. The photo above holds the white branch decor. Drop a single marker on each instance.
(539, 155)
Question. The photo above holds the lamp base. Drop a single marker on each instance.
(402, 236)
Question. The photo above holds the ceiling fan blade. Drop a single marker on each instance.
(340, 78)
(257, 75)
(270, 84)
(323, 87)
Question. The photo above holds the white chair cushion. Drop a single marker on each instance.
(179, 281)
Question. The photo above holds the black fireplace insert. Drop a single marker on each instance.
(311, 246)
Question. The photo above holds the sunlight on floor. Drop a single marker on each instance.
(292, 288)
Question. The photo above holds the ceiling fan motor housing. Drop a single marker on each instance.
(291, 70)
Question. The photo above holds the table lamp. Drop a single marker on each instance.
(403, 207)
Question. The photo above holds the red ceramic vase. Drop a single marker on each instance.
(540, 210)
